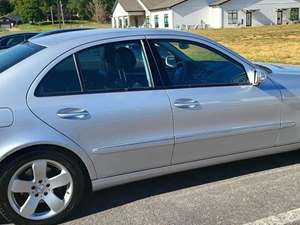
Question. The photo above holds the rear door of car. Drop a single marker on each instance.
(217, 112)
(105, 97)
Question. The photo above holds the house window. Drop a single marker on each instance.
(120, 23)
(147, 21)
(126, 22)
(156, 21)
(232, 17)
(115, 23)
(294, 14)
(166, 20)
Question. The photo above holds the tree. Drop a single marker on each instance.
(101, 9)
(5, 7)
(96, 10)
(29, 10)
(108, 5)
(80, 8)
(49, 5)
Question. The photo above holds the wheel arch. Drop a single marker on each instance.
(51, 147)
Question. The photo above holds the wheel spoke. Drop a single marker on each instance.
(54, 203)
(32, 188)
(20, 186)
(39, 170)
(60, 180)
(29, 207)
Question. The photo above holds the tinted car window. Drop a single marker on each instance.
(189, 64)
(3, 42)
(60, 80)
(114, 67)
(12, 56)
(15, 40)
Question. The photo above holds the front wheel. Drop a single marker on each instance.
(39, 188)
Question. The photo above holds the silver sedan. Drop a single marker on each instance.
(88, 110)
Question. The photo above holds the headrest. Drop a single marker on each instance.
(110, 53)
(125, 59)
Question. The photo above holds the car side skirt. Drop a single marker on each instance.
(141, 175)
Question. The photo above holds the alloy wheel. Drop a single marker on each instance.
(40, 189)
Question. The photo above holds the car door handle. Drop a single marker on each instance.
(186, 103)
(73, 114)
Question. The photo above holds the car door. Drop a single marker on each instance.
(217, 112)
(105, 98)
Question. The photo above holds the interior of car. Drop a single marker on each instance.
(113, 67)
(190, 65)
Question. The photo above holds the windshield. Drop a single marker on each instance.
(14, 55)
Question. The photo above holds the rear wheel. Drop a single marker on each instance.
(40, 187)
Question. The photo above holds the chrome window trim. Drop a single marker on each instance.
(147, 65)
(82, 47)
(78, 73)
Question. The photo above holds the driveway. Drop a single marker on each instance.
(263, 191)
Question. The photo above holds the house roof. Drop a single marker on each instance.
(129, 5)
(134, 5)
(161, 4)
(218, 2)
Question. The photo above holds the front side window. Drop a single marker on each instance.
(113, 67)
(190, 64)
(166, 20)
(156, 21)
(61, 80)
(233, 17)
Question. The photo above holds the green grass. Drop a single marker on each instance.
(277, 44)
(46, 27)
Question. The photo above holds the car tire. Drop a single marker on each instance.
(56, 206)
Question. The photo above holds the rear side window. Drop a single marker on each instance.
(12, 56)
(115, 67)
(60, 80)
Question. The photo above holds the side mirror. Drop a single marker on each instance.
(183, 45)
(259, 77)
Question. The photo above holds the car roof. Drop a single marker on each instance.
(52, 32)
(86, 36)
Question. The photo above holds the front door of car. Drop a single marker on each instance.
(217, 112)
(105, 98)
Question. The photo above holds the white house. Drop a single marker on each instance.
(182, 14)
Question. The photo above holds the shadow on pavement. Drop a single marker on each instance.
(121, 195)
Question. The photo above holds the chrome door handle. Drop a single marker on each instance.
(186, 103)
(73, 114)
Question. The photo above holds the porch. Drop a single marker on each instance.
(137, 19)
(287, 15)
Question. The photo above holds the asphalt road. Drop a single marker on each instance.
(263, 191)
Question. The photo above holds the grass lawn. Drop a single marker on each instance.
(41, 28)
(278, 44)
